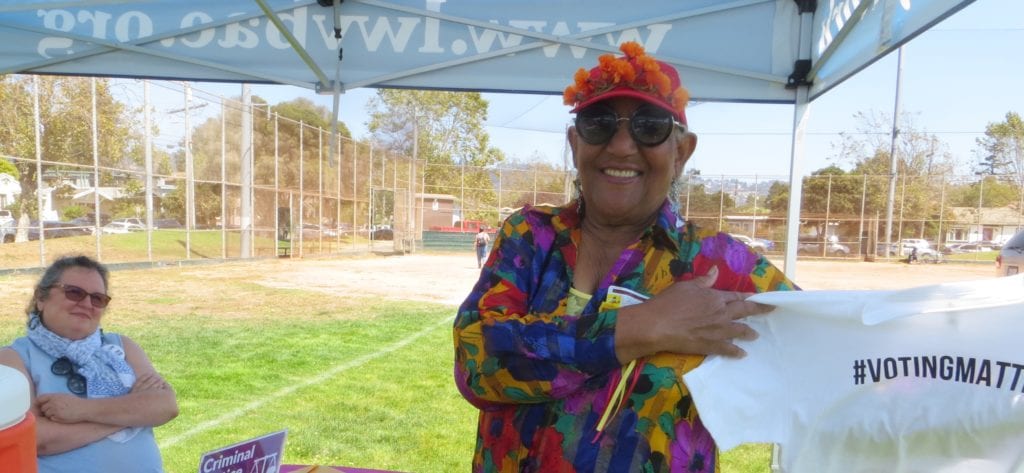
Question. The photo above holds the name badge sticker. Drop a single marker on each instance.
(625, 297)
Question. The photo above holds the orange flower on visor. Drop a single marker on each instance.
(635, 75)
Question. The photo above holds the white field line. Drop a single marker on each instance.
(170, 442)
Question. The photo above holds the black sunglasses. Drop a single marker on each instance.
(76, 294)
(649, 125)
(64, 367)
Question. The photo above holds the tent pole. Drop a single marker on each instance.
(801, 115)
(800, 82)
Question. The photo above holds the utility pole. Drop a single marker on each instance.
(892, 153)
(246, 174)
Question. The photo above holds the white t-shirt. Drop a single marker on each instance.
(929, 379)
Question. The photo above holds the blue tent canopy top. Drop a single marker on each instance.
(726, 50)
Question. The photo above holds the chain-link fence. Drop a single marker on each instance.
(963, 218)
(222, 184)
(202, 176)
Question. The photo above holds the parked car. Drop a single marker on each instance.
(924, 253)
(104, 218)
(382, 233)
(814, 248)
(918, 243)
(116, 227)
(992, 244)
(56, 230)
(952, 248)
(757, 244)
(165, 223)
(7, 232)
(903, 247)
(1010, 260)
(973, 248)
(8, 229)
(310, 231)
(85, 225)
(137, 223)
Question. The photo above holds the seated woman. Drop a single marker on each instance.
(95, 395)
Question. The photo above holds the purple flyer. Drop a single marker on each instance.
(258, 455)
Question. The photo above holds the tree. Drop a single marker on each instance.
(72, 212)
(207, 141)
(281, 128)
(529, 182)
(831, 192)
(173, 204)
(65, 113)
(777, 200)
(1003, 149)
(920, 158)
(702, 206)
(451, 138)
(989, 192)
(919, 153)
(6, 167)
(130, 201)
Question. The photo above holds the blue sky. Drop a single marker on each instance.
(959, 76)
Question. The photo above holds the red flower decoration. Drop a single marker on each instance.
(636, 70)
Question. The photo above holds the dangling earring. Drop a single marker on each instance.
(578, 187)
(673, 194)
(34, 319)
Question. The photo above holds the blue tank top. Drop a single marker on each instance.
(140, 454)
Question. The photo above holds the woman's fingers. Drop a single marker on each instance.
(741, 308)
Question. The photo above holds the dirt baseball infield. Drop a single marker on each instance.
(448, 277)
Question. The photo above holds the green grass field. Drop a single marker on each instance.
(357, 382)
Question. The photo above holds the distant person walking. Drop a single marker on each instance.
(481, 241)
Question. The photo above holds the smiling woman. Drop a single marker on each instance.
(574, 340)
(96, 395)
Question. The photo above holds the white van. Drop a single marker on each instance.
(918, 243)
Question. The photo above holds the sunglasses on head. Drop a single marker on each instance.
(64, 367)
(76, 294)
(649, 125)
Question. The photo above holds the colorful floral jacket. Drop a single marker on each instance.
(542, 379)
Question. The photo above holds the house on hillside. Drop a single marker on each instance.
(971, 224)
(83, 192)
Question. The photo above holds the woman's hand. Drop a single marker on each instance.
(147, 381)
(62, 408)
(688, 317)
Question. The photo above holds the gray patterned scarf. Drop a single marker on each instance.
(106, 372)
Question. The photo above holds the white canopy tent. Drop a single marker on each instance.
(764, 51)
